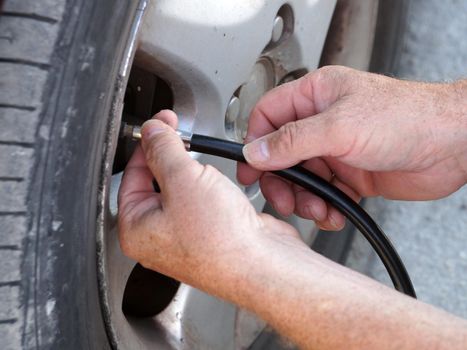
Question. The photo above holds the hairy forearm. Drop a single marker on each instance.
(321, 305)
(459, 107)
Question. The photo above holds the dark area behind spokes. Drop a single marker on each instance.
(147, 292)
(145, 95)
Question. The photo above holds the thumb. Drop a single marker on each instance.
(291, 143)
(165, 153)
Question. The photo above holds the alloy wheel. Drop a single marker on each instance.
(210, 61)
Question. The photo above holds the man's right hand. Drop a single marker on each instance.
(368, 134)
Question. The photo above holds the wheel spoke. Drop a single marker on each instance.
(203, 53)
(302, 50)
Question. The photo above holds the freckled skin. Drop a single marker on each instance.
(378, 135)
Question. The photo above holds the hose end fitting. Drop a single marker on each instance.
(186, 138)
(130, 131)
(134, 132)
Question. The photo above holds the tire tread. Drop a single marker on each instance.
(40, 10)
(28, 34)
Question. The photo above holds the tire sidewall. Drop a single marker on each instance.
(81, 90)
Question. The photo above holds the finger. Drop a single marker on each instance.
(137, 163)
(335, 220)
(167, 116)
(307, 204)
(166, 156)
(299, 99)
(279, 106)
(279, 193)
(247, 175)
(136, 185)
(361, 181)
(349, 191)
(298, 141)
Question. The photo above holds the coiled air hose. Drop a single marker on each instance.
(313, 183)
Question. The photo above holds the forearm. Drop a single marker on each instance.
(321, 305)
(460, 114)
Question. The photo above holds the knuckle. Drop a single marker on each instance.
(288, 134)
(151, 154)
(333, 75)
(334, 71)
(305, 87)
(256, 112)
(257, 109)
(156, 147)
(323, 73)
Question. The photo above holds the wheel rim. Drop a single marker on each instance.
(212, 94)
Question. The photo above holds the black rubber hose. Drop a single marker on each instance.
(331, 194)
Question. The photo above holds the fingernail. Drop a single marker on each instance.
(335, 222)
(256, 151)
(318, 214)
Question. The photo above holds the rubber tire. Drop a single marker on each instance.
(58, 64)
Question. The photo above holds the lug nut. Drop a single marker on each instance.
(277, 29)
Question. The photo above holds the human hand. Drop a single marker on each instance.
(368, 134)
(254, 260)
(201, 229)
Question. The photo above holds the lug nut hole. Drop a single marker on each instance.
(282, 27)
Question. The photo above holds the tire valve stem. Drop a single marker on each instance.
(134, 132)
(131, 131)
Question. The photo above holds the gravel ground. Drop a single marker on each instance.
(431, 237)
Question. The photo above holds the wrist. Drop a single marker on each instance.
(253, 274)
(269, 272)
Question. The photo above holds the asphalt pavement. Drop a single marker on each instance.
(431, 237)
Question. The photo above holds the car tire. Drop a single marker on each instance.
(58, 65)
